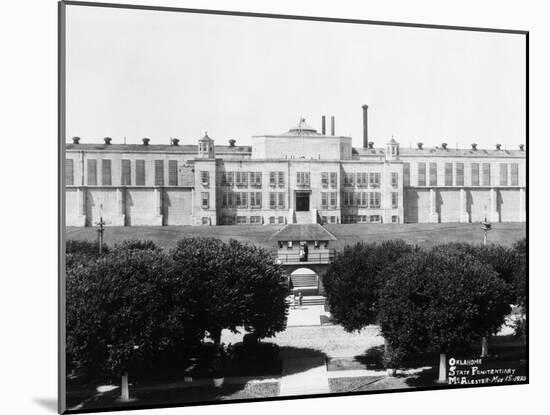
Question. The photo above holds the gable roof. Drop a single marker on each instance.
(298, 232)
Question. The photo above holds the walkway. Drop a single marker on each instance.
(304, 376)
(307, 315)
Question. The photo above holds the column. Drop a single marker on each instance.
(493, 212)
(464, 216)
(120, 216)
(81, 198)
(521, 213)
(434, 217)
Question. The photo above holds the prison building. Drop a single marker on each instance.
(300, 176)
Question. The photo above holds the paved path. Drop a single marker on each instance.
(306, 315)
(304, 376)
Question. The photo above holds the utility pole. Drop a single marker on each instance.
(100, 230)
(486, 227)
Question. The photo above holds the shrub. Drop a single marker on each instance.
(353, 281)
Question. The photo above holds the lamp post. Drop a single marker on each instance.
(101, 228)
(486, 227)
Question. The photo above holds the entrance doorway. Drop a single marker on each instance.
(302, 201)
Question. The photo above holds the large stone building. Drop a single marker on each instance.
(301, 176)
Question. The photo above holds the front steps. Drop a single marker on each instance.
(308, 300)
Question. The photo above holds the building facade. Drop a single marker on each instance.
(300, 176)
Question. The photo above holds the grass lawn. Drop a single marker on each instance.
(142, 395)
(425, 235)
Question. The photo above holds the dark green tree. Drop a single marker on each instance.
(440, 301)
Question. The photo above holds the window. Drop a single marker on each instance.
(241, 199)
(324, 200)
(255, 200)
(126, 172)
(69, 172)
(406, 174)
(140, 172)
(324, 180)
(159, 172)
(256, 220)
(333, 200)
(281, 177)
(375, 218)
(374, 200)
(514, 171)
(486, 178)
(324, 219)
(272, 220)
(172, 172)
(459, 174)
(448, 174)
(395, 219)
(205, 220)
(302, 178)
(106, 172)
(281, 219)
(334, 180)
(273, 200)
(362, 179)
(272, 179)
(421, 174)
(241, 179)
(205, 200)
(333, 219)
(227, 199)
(348, 198)
(92, 172)
(475, 174)
(241, 220)
(394, 180)
(374, 180)
(348, 179)
(362, 218)
(503, 174)
(289, 244)
(394, 200)
(228, 220)
(205, 178)
(433, 174)
(281, 200)
(227, 178)
(362, 199)
(256, 179)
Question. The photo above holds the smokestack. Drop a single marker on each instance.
(332, 126)
(323, 125)
(365, 126)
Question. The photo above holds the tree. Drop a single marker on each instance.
(262, 289)
(502, 259)
(353, 281)
(117, 313)
(229, 285)
(440, 301)
(520, 286)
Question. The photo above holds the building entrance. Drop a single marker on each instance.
(302, 201)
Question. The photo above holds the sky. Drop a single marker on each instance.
(139, 73)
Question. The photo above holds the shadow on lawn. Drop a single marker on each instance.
(175, 391)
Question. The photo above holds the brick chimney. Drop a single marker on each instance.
(332, 125)
(474, 146)
(419, 145)
(365, 126)
(175, 141)
(498, 146)
(107, 140)
(370, 144)
(522, 147)
(444, 146)
(76, 140)
(145, 141)
(232, 142)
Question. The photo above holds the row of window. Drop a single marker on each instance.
(125, 172)
(365, 219)
(370, 200)
(243, 220)
(454, 174)
(237, 199)
(237, 178)
(371, 180)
